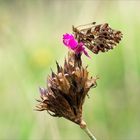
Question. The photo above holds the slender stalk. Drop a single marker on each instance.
(88, 132)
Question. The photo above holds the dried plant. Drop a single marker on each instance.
(66, 90)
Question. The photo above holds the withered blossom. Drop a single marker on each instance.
(66, 90)
(97, 38)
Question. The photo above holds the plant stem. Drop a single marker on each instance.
(88, 132)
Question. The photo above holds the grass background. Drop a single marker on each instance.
(30, 42)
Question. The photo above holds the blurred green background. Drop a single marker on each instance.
(30, 43)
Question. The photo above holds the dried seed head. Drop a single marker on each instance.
(67, 89)
(97, 38)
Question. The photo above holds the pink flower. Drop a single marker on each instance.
(80, 48)
(69, 41)
(72, 43)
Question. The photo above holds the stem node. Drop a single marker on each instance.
(87, 131)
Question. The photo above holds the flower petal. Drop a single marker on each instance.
(86, 53)
(70, 41)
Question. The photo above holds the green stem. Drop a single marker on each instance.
(88, 132)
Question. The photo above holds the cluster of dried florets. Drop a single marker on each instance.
(67, 89)
(97, 38)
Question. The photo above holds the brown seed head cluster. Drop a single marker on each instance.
(97, 38)
(66, 90)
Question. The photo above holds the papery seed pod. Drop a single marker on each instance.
(66, 90)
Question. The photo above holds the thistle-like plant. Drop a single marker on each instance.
(66, 90)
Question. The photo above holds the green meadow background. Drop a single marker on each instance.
(30, 43)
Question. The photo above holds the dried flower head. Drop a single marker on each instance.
(66, 90)
(97, 38)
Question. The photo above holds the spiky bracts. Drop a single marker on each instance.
(66, 90)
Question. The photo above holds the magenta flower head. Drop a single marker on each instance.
(72, 43)
(69, 41)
